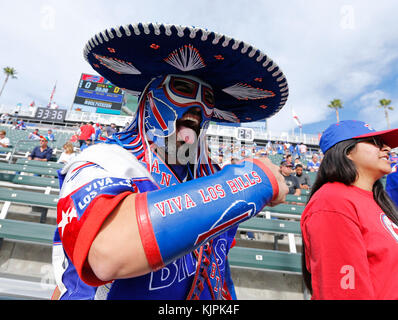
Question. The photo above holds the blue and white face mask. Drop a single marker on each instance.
(176, 101)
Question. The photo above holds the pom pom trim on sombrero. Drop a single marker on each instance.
(247, 84)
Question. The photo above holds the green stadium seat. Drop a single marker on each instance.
(35, 181)
(284, 210)
(36, 163)
(28, 168)
(299, 199)
(265, 260)
(27, 231)
(270, 225)
(18, 181)
(30, 198)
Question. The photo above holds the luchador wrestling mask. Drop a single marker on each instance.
(177, 104)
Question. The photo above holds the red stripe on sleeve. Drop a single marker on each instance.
(270, 175)
(99, 209)
(148, 238)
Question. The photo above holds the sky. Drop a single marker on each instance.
(328, 49)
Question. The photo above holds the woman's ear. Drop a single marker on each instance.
(349, 151)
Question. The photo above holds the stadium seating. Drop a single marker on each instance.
(29, 198)
(298, 199)
(266, 260)
(36, 163)
(271, 225)
(28, 168)
(5, 153)
(35, 181)
(25, 231)
(284, 211)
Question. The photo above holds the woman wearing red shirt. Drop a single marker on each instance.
(349, 226)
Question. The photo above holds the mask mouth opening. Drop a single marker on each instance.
(191, 119)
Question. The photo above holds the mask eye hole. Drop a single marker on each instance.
(208, 96)
(184, 87)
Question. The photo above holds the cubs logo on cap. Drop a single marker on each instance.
(353, 129)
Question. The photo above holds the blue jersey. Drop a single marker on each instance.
(392, 184)
(91, 188)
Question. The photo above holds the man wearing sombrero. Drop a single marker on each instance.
(147, 215)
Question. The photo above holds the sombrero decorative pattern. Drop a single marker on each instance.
(247, 84)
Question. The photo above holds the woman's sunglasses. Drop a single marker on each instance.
(375, 141)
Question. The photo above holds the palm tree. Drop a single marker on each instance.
(336, 104)
(385, 103)
(10, 72)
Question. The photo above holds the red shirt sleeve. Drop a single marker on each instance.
(336, 257)
(77, 235)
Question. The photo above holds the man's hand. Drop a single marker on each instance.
(283, 189)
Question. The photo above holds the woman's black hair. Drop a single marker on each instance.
(337, 167)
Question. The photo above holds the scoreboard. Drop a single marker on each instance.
(95, 94)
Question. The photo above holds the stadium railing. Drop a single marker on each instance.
(6, 153)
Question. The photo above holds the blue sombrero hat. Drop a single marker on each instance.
(247, 84)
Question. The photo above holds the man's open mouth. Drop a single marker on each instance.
(191, 119)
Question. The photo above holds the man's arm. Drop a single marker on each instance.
(296, 186)
(32, 155)
(122, 246)
(49, 154)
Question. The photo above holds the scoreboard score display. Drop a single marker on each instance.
(95, 94)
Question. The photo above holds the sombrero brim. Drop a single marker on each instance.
(248, 85)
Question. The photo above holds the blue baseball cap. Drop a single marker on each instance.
(353, 129)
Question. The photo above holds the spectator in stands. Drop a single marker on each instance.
(349, 225)
(4, 118)
(392, 184)
(4, 141)
(279, 147)
(34, 135)
(41, 152)
(234, 160)
(67, 153)
(313, 165)
(86, 144)
(21, 125)
(393, 157)
(98, 131)
(286, 170)
(303, 149)
(289, 159)
(297, 151)
(298, 161)
(86, 132)
(302, 177)
(50, 135)
(110, 130)
(269, 147)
